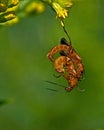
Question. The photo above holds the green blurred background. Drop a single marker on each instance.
(24, 68)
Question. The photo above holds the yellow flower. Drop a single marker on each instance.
(61, 12)
(35, 7)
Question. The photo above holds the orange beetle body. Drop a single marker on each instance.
(69, 64)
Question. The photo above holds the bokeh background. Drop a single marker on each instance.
(24, 70)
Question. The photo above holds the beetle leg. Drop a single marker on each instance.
(55, 50)
(80, 70)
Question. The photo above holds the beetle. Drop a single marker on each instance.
(68, 64)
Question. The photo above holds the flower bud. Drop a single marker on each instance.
(12, 22)
(13, 3)
(2, 7)
(7, 16)
(34, 7)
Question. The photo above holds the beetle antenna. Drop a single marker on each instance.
(55, 83)
(54, 90)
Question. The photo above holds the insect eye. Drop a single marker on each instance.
(64, 41)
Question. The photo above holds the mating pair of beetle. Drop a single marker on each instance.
(68, 64)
